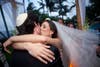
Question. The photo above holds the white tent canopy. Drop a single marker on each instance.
(9, 9)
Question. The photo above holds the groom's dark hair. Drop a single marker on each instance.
(29, 23)
(28, 26)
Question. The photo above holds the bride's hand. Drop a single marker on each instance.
(6, 44)
(41, 52)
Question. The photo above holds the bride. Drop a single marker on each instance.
(77, 46)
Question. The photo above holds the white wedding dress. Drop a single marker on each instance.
(78, 46)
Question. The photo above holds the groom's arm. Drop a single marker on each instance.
(37, 50)
(20, 45)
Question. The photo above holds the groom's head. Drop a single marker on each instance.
(26, 22)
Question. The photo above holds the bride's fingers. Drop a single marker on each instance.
(35, 24)
(4, 45)
(7, 50)
(42, 60)
(7, 43)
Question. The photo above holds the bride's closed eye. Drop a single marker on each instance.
(44, 26)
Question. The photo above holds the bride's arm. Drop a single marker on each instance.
(33, 38)
(54, 41)
(24, 38)
(27, 38)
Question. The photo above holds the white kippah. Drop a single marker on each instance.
(20, 19)
(48, 19)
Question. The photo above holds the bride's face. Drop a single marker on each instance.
(45, 29)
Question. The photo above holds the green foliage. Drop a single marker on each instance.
(30, 7)
(56, 5)
(8, 56)
(54, 18)
(14, 32)
(86, 24)
(43, 16)
(50, 4)
(93, 10)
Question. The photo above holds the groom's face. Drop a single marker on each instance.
(36, 29)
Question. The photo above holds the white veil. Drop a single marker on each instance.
(79, 47)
